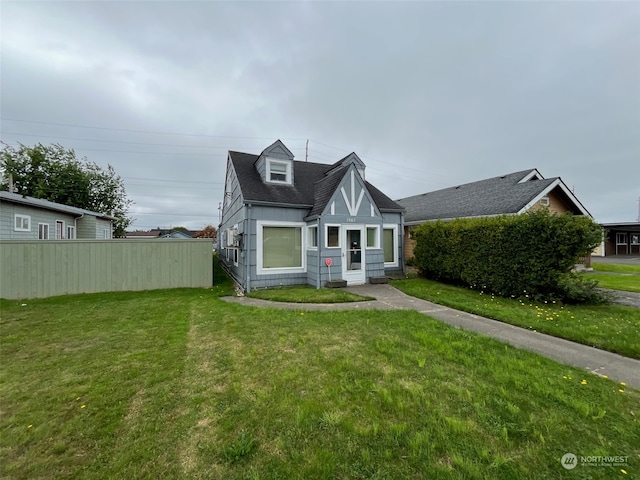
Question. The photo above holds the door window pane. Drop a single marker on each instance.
(354, 252)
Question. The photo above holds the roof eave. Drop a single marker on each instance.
(413, 223)
(277, 204)
(557, 183)
(75, 211)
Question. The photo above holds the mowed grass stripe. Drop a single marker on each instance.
(178, 384)
(613, 327)
(629, 282)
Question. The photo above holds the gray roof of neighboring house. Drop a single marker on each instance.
(46, 204)
(314, 183)
(493, 196)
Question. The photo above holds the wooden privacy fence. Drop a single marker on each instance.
(46, 268)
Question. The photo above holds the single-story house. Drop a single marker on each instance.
(620, 239)
(289, 222)
(27, 218)
(509, 194)
(161, 233)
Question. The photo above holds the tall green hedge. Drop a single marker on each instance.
(530, 254)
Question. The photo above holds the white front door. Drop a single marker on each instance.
(353, 262)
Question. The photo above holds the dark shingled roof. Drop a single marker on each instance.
(493, 196)
(312, 187)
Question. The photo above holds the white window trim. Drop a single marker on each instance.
(22, 218)
(312, 237)
(235, 255)
(377, 237)
(107, 234)
(326, 235)
(40, 225)
(278, 271)
(71, 232)
(393, 226)
(286, 163)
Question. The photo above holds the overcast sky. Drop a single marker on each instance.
(428, 94)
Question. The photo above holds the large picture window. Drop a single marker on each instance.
(281, 248)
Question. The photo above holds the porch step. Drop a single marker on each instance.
(378, 280)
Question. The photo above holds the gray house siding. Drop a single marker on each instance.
(37, 215)
(86, 224)
(103, 228)
(352, 211)
(396, 219)
(259, 214)
(323, 195)
(86, 227)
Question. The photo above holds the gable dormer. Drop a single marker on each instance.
(275, 164)
(350, 159)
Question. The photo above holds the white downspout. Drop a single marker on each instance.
(319, 281)
(247, 249)
(75, 226)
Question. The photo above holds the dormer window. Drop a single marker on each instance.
(278, 171)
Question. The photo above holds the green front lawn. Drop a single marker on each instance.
(616, 281)
(615, 267)
(615, 328)
(307, 294)
(179, 384)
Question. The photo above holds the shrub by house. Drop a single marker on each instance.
(530, 254)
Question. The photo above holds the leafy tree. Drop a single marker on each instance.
(55, 174)
(207, 232)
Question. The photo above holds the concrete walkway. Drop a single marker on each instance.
(616, 367)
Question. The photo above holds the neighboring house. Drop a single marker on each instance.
(161, 233)
(513, 193)
(27, 218)
(620, 239)
(283, 220)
